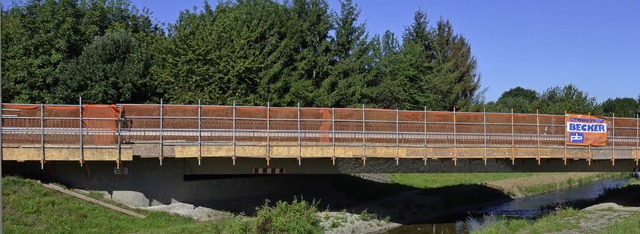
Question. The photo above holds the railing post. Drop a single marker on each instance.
(513, 140)
(199, 132)
(42, 136)
(161, 131)
(613, 140)
(81, 134)
(364, 141)
(425, 136)
(637, 138)
(268, 134)
(397, 137)
(333, 134)
(455, 139)
(119, 139)
(538, 131)
(233, 158)
(484, 129)
(299, 138)
(565, 138)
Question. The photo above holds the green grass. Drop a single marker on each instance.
(437, 180)
(550, 223)
(30, 208)
(627, 225)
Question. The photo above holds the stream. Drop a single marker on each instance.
(530, 207)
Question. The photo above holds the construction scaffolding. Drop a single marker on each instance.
(196, 131)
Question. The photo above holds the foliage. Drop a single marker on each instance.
(43, 35)
(519, 99)
(113, 69)
(299, 216)
(569, 99)
(621, 107)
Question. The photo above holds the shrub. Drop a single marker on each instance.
(299, 216)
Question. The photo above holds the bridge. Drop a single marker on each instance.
(208, 139)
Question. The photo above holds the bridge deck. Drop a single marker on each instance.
(119, 132)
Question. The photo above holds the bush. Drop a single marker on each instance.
(299, 216)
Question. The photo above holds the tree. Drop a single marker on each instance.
(621, 107)
(43, 35)
(417, 63)
(519, 99)
(351, 60)
(454, 79)
(232, 53)
(112, 69)
(570, 99)
(386, 88)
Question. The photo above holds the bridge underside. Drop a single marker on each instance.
(322, 158)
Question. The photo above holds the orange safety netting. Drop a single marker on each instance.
(262, 124)
(62, 124)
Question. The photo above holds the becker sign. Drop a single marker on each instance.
(586, 130)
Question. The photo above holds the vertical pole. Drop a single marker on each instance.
(397, 136)
(333, 134)
(1, 104)
(613, 140)
(234, 134)
(42, 136)
(484, 129)
(538, 131)
(364, 142)
(199, 132)
(299, 138)
(425, 136)
(161, 131)
(637, 138)
(565, 140)
(455, 139)
(513, 140)
(268, 134)
(119, 139)
(81, 134)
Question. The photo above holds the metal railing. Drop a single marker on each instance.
(47, 126)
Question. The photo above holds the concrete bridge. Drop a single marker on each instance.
(204, 139)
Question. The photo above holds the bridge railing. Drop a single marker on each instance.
(83, 126)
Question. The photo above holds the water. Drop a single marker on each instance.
(524, 208)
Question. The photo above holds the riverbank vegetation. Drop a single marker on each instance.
(609, 216)
(30, 208)
(512, 184)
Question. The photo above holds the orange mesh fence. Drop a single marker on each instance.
(101, 121)
(21, 116)
(141, 123)
(61, 124)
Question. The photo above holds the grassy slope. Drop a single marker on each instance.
(28, 208)
(436, 180)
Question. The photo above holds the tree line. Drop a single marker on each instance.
(250, 52)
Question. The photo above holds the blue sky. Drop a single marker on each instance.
(534, 44)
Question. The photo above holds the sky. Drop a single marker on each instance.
(533, 44)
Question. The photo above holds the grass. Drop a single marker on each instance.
(30, 208)
(627, 225)
(437, 180)
(551, 223)
(543, 188)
